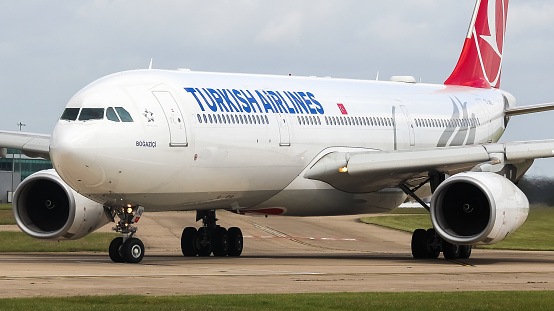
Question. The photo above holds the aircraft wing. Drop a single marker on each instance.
(32, 144)
(367, 170)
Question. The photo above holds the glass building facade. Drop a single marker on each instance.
(20, 163)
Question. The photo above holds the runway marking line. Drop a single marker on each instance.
(276, 273)
(464, 264)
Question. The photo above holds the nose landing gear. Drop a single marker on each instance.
(126, 248)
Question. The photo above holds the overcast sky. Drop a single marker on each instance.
(51, 49)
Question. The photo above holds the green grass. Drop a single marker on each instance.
(535, 234)
(467, 301)
(20, 242)
(6, 215)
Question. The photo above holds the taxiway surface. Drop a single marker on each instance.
(281, 255)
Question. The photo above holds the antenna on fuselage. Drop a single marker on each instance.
(150, 66)
(377, 78)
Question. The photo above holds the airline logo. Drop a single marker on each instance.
(480, 63)
(489, 39)
(261, 101)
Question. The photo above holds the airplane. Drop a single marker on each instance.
(180, 140)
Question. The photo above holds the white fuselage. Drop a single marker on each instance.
(242, 142)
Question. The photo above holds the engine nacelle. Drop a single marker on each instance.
(45, 207)
(477, 208)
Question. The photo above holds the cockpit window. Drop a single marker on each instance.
(91, 114)
(123, 114)
(70, 114)
(111, 115)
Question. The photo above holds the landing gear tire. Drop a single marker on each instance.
(133, 250)
(234, 235)
(203, 242)
(220, 242)
(433, 244)
(419, 244)
(188, 242)
(211, 238)
(115, 250)
(465, 251)
(451, 251)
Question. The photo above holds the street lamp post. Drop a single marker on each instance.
(20, 125)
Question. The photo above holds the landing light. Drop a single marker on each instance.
(129, 210)
(343, 169)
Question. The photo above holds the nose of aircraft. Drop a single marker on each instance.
(73, 150)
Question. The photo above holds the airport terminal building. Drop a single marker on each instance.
(14, 168)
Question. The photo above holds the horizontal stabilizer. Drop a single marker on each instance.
(529, 109)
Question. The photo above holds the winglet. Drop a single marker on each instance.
(480, 63)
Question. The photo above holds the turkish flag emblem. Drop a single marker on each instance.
(342, 109)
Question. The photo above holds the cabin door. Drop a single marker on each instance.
(174, 117)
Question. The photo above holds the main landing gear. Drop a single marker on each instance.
(126, 248)
(211, 238)
(428, 244)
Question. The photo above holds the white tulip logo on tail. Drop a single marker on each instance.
(494, 40)
(480, 63)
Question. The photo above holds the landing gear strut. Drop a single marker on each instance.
(126, 248)
(211, 238)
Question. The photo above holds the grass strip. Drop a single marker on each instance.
(535, 234)
(536, 300)
(20, 242)
(6, 214)
(6, 217)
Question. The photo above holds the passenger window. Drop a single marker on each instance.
(123, 114)
(111, 115)
(70, 114)
(91, 114)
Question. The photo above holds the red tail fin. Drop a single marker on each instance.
(480, 63)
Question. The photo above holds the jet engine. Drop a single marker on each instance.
(45, 207)
(477, 208)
